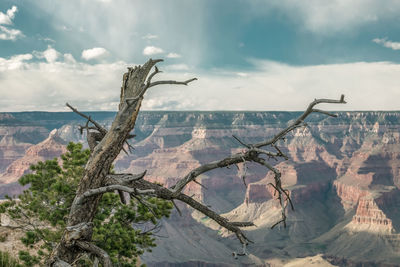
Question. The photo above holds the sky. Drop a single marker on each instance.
(246, 54)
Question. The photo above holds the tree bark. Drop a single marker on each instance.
(102, 157)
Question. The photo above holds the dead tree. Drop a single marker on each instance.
(109, 143)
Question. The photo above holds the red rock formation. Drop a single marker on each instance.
(166, 166)
(50, 148)
(348, 194)
(258, 193)
(370, 214)
(10, 150)
(15, 139)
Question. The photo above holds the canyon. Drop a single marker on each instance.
(343, 176)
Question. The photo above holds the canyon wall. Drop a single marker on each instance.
(342, 175)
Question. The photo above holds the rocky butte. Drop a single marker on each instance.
(342, 175)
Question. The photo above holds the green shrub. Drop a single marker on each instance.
(49, 198)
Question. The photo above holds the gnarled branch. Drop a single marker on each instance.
(95, 250)
(98, 126)
(171, 82)
(167, 194)
(111, 188)
(252, 152)
(301, 119)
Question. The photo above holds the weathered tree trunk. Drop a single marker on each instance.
(100, 162)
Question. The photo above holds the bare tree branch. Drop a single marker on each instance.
(172, 82)
(233, 159)
(98, 126)
(125, 178)
(95, 250)
(176, 207)
(156, 71)
(94, 138)
(165, 193)
(240, 141)
(300, 119)
(217, 218)
(278, 188)
(324, 112)
(122, 197)
(111, 188)
(252, 154)
(148, 205)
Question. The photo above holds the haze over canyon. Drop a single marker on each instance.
(342, 174)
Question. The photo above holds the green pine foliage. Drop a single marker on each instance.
(118, 229)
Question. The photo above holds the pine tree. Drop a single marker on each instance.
(42, 210)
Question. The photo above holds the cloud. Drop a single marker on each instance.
(9, 34)
(68, 58)
(50, 54)
(94, 53)
(15, 62)
(330, 17)
(150, 36)
(277, 86)
(47, 39)
(177, 67)
(185, 32)
(173, 55)
(241, 74)
(152, 50)
(47, 85)
(387, 43)
(8, 16)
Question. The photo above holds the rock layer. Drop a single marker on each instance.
(343, 175)
(52, 147)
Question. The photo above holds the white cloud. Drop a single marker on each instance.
(387, 43)
(177, 67)
(15, 62)
(68, 58)
(242, 74)
(94, 53)
(330, 17)
(173, 55)
(274, 86)
(150, 36)
(50, 54)
(105, 21)
(8, 16)
(47, 85)
(9, 34)
(152, 50)
(47, 39)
